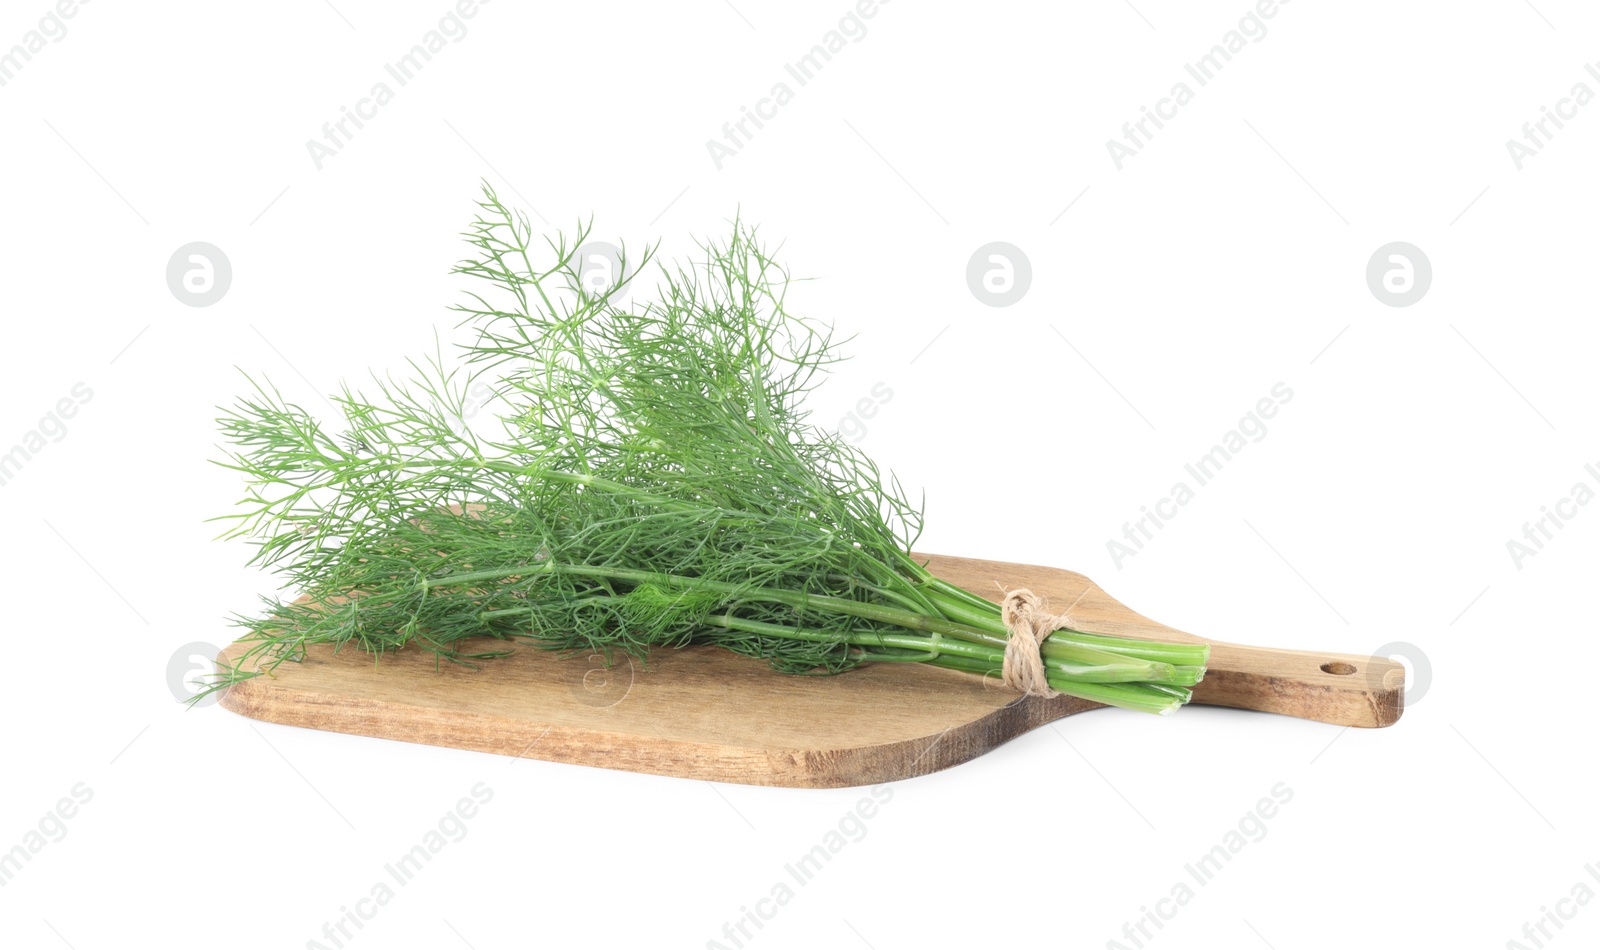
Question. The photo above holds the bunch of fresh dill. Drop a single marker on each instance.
(654, 482)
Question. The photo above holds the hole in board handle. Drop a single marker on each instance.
(1338, 668)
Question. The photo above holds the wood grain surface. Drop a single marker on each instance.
(705, 713)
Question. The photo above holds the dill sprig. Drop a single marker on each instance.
(652, 481)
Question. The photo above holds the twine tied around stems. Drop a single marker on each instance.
(1025, 616)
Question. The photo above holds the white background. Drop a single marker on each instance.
(1227, 256)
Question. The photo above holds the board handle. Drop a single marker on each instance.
(1340, 688)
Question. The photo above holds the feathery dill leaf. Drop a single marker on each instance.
(654, 481)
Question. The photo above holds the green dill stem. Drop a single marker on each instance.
(899, 641)
(965, 607)
(1187, 676)
(975, 657)
(797, 599)
(1179, 654)
(1122, 671)
(1141, 697)
(1063, 651)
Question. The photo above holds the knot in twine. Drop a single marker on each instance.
(1025, 616)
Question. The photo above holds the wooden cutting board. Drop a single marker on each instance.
(706, 713)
